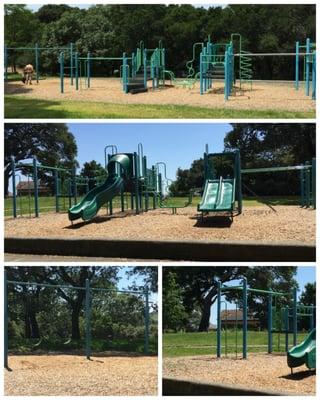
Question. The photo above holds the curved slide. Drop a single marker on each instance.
(89, 206)
(218, 196)
(303, 353)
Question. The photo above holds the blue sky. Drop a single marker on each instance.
(175, 144)
(304, 275)
(125, 282)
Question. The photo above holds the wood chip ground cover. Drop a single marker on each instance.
(289, 224)
(68, 375)
(259, 371)
(264, 95)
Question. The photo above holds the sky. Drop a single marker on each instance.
(176, 144)
(126, 281)
(304, 275)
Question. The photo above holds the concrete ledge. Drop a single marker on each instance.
(179, 387)
(164, 250)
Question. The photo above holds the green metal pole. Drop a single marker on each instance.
(14, 189)
(294, 316)
(5, 315)
(56, 190)
(238, 181)
(61, 72)
(88, 70)
(71, 63)
(307, 77)
(287, 327)
(76, 61)
(35, 187)
(297, 67)
(308, 186)
(88, 319)
(219, 320)
(136, 180)
(270, 323)
(36, 48)
(146, 323)
(245, 318)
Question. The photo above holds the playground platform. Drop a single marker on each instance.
(257, 234)
(265, 95)
(207, 375)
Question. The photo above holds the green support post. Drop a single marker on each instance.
(307, 175)
(56, 190)
(270, 323)
(307, 74)
(294, 316)
(88, 70)
(286, 316)
(5, 316)
(146, 322)
(124, 73)
(76, 61)
(36, 49)
(314, 78)
(297, 67)
(88, 319)
(219, 320)
(61, 72)
(35, 187)
(136, 182)
(14, 189)
(238, 180)
(245, 318)
(74, 184)
(71, 63)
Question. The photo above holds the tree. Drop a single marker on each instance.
(21, 30)
(174, 315)
(308, 296)
(92, 170)
(52, 144)
(199, 285)
(51, 12)
(149, 276)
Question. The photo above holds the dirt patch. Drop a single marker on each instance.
(259, 371)
(288, 223)
(67, 375)
(264, 95)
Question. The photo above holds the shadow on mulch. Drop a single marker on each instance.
(213, 222)
(99, 220)
(298, 376)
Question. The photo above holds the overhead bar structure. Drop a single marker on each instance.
(88, 306)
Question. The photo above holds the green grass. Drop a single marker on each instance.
(25, 205)
(202, 343)
(23, 107)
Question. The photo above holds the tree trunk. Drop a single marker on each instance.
(6, 182)
(75, 335)
(31, 329)
(205, 317)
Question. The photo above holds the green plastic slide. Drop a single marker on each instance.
(218, 196)
(89, 206)
(303, 353)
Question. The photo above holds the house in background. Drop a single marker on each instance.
(24, 188)
(231, 318)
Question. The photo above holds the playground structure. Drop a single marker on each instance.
(143, 65)
(13, 52)
(88, 299)
(211, 62)
(222, 191)
(281, 319)
(141, 188)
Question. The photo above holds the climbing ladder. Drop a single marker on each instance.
(245, 63)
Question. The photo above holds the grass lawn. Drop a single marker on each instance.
(25, 205)
(23, 107)
(202, 343)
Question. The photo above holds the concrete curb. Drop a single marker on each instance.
(165, 250)
(180, 387)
